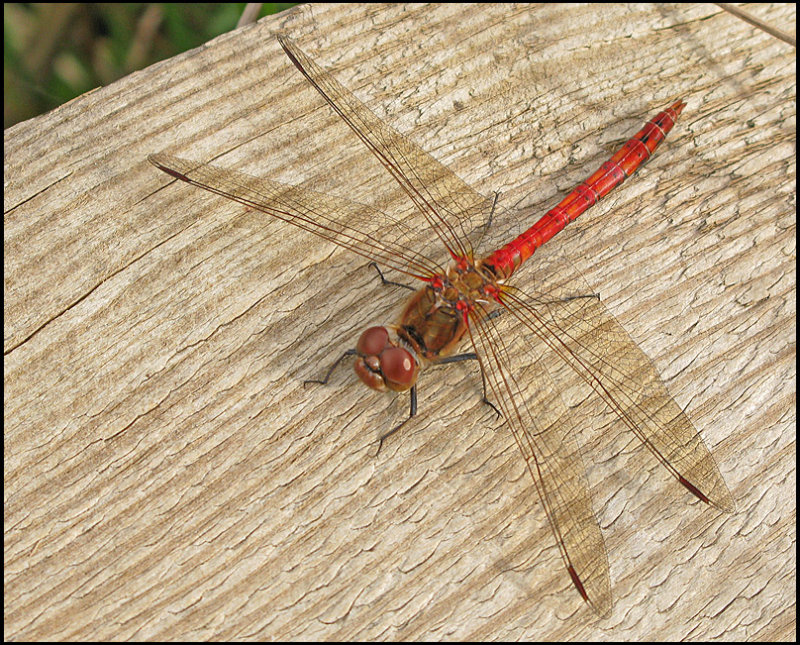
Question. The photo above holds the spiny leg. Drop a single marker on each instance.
(568, 298)
(411, 414)
(324, 381)
(472, 356)
(488, 224)
(469, 356)
(385, 281)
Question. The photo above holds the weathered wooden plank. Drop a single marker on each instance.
(167, 476)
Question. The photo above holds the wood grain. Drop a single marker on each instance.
(167, 475)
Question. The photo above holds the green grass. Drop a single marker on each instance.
(55, 52)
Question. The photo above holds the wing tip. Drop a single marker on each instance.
(289, 47)
(723, 501)
(601, 606)
(165, 164)
(155, 159)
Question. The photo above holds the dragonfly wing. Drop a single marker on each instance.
(357, 227)
(452, 208)
(580, 329)
(521, 388)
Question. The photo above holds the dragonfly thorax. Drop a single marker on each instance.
(436, 317)
(466, 287)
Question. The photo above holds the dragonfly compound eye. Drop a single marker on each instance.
(371, 344)
(381, 365)
(373, 341)
(399, 369)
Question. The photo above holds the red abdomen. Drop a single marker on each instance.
(612, 173)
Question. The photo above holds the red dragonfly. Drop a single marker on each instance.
(516, 337)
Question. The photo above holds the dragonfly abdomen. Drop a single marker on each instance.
(611, 174)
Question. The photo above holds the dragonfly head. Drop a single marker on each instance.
(382, 364)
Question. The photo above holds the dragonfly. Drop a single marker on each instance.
(517, 337)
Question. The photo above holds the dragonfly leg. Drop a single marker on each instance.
(385, 281)
(472, 356)
(324, 380)
(488, 224)
(411, 414)
(586, 295)
(481, 230)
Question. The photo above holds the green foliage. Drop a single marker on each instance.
(55, 52)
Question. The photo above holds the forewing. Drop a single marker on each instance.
(520, 386)
(357, 227)
(453, 210)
